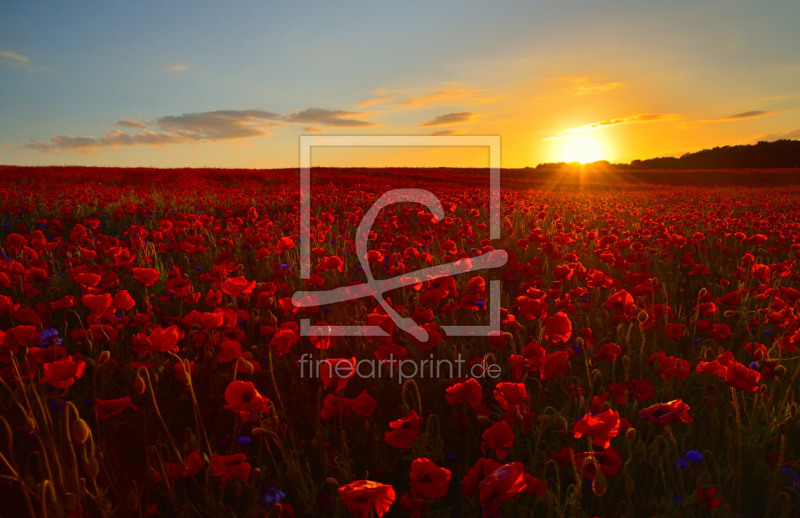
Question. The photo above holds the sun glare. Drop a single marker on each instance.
(582, 149)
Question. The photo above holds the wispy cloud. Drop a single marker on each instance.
(176, 68)
(211, 126)
(337, 118)
(583, 85)
(449, 92)
(133, 123)
(219, 124)
(371, 102)
(448, 119)
(642, 117)
(13, 59)
(738, 116)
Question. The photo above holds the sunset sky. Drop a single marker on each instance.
(207, 84)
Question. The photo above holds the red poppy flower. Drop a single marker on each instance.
(469, 392)
(670, 366)
(403, 431)
(601, 427)
(363, 496)
(708, 497)
(608, 462)
(242, 397)
(499, 437)
(608, 353)
(428, 480)
(285, 243)
(123, 301)
(229, 467)
(504, 483)
(665, 413)
(229, 350)
(236, 286)
(338, 371)
(742, 377)
(553, 364)
(362, 405)
(147, 276)
(97, 303)
(164, 340)
(106, 408)
(558, 327)
(62, 373)
(508, 395)
(619, 302)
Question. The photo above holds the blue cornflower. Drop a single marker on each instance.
(244, 440)
(694, 456)
(271, 496)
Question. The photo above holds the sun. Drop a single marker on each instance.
(582, 149)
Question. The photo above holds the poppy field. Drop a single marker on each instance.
(152, 363)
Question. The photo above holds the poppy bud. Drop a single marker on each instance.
(80, 431)
(71, 501)
(758, 355)
(630, 485)
(561, 422)
(597, 376)
(103, 357)
(332, 482)
(780, 370)
(245, 366)
(92, 468)
(729, 313)
(259, 431)
(642, 316)
(139, 385)
(270, 319)
(579, 342)
(630, 434)
(133, 500)
(255, 473)
(30, 426)
(484, 420)
(599, 484)
(702, 293)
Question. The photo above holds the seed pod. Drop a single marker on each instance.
(103, 357)
(630, 485)
(133, 501)
(332, 482)
(599, 484)
(92, 468)
(245, 366)
(80, 431)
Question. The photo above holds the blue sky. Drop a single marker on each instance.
(206, 84)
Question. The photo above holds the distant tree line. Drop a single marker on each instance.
(764, 155)
(779, 154)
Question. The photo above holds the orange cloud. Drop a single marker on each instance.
(643, 117)
(453, 92)
(448, 119)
